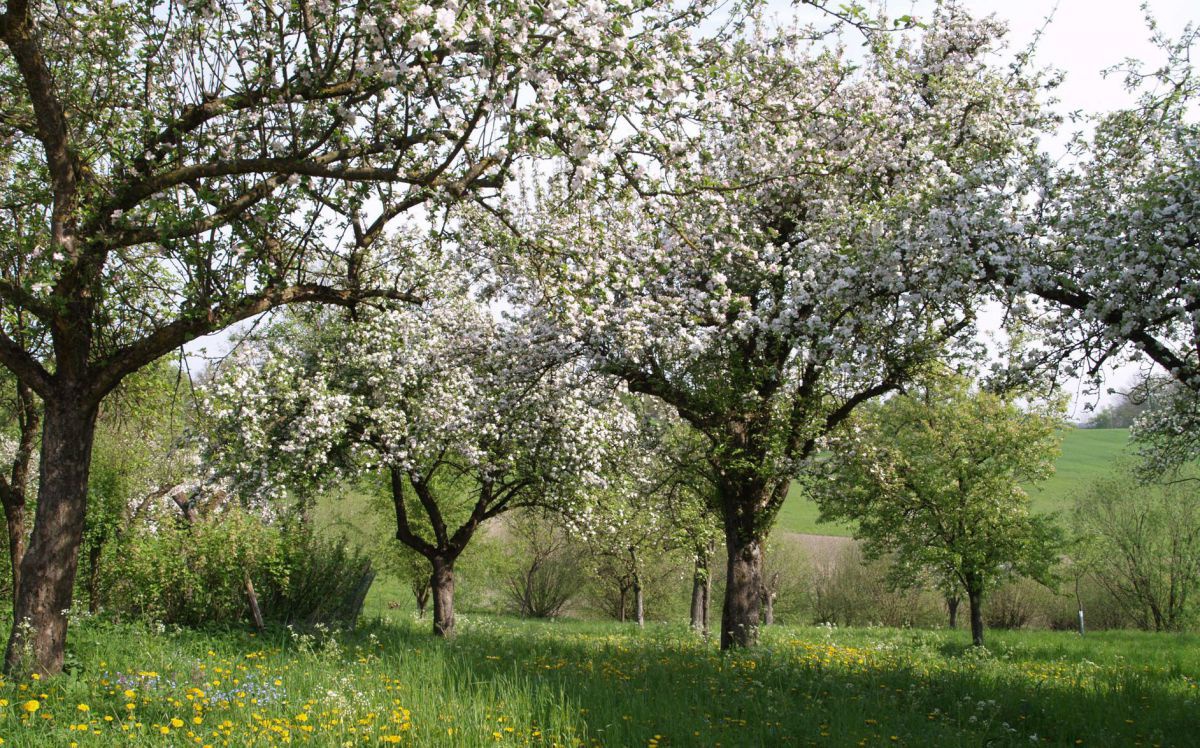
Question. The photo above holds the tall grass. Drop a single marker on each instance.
(576, 683)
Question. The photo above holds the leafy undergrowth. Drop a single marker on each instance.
(572, 683)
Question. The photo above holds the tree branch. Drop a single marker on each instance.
(109, 372)
(23, 366)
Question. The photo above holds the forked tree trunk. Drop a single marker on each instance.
(952, 607)
(52, 558)
(441, 582)
(420, 592)
(975, 601)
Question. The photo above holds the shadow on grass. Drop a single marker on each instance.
(629, 687)
(617, 686)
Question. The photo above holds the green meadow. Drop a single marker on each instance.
(567, 683)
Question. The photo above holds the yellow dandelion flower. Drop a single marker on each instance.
(83, 708)
(31, 706)
(176, 722)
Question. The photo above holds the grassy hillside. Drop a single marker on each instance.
(1086, 455)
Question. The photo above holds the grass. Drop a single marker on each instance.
(1086, 455)
(585, 683)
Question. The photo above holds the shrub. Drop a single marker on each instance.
(1019, 603)
(194, 574)
(853, 592)
(546, 572)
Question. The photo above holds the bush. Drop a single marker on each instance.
(1020, 603)
(546, 572)
(854, 592)
(326, 581)
(194, 574)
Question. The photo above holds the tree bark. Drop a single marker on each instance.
(700, 590)
(51, 560)
(621, 604)
(975, 601)
(639, 606)
(740, 613)
(442, 584)
(952, 606)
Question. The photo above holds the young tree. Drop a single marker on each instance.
(656, 502)
(690, 503)
(1142, 544)
(173, 167)
(467, 417)
(793, 247)
(935, 477)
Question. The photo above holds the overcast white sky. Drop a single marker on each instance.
(1083, 38)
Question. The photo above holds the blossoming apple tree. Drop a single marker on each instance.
(168, 168)
(1113, 264)
(466, 416)
(798, 242)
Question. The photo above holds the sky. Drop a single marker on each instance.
(1082, 39)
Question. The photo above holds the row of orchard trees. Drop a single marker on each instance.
(742, 221)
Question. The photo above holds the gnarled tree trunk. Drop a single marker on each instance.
(52, 559)
(748, 502)
(952, 606)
